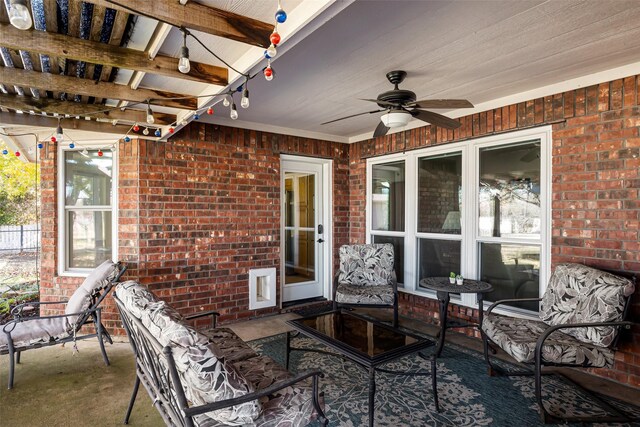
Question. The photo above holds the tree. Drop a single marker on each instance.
(18, 184)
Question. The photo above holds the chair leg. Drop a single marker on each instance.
(11, 367)
(485, 343)
(136, 386)
(395, 313)
(99, 332)
(18, 353)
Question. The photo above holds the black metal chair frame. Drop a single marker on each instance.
(156, 370)
(93, 315)
(394, 306)
(537, 371)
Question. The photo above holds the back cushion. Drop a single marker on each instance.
(205, 375)
(366, 265)
(99, 278)
(581, 294)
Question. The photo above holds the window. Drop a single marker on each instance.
(478, 208)
(388, 210)
(87, 229)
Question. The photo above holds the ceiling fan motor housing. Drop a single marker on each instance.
(398, 96)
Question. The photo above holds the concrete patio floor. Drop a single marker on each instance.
(54, 388)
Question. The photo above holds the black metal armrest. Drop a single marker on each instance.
(20, 307)
(214, 316)
(551, 329)
(213, 406)
(28, 319)
(504, 301)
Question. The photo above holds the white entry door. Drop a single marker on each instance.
(305, 228)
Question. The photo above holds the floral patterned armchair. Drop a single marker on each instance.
(581, 313)
(366, 278)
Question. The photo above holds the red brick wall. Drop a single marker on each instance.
(595, 205)
(196, 213)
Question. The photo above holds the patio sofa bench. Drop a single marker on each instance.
(209, 377)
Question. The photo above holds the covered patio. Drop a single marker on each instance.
(225, 152)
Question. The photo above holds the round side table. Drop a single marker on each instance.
(443, 288)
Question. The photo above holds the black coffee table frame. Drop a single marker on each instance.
(443, 288)
(370, 363)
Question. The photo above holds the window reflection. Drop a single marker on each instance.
(387, 201)
(440, 194)
(509, 193)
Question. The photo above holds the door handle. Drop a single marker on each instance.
(320, 240)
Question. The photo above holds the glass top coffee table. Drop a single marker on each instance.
(366, 342)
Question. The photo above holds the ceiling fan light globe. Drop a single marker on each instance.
(395, 119)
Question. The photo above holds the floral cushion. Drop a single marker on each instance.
(518, 337)
(366, 265)
(580, 294)
(233, 348)
(353, 294)
(290, 407)
(205, 374)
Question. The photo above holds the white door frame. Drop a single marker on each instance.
(326, 270)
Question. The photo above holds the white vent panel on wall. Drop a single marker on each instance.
(262, 288)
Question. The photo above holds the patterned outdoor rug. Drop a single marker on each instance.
(468, 396)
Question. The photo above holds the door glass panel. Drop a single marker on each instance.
(398, 253)
(387, 201)
(300, 257)
(513, 270)
(509, 193)
(438, 258)
(440, 194)
(89, 238)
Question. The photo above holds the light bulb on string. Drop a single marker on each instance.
(40, 145)
(127, 139)
(210, 110)
(145, 131)
(5, 152)
(274, 38)
(196, 116)
(136, 128)
(19, 15)
(268, 72)
(244, 102)
(59, 133)
(172, 130)
(150, 118)
(281, 15)
(226, 101)
(53, 139)
(17, 154)
(158, 133)
(100, 153)
(72, 145)
(184, 66)
(234, 112)
(271, 51)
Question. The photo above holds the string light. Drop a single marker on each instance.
(145, 131)
(184, 66)
(127, 139)
(244, 102)
(136, 128)
(72, 145)
(210, 110)
(281, 15)
(150, 118)
(268, 72)
(234, 112)
(19, 15)
(171, 129)
(100, 153)
(158, 133)
(226, 101)
(59, 133)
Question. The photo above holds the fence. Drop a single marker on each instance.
(19, 238)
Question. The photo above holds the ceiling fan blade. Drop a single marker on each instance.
(436, 119)
(441, 103)
(353, 115)
(390, 104)
(381, 130)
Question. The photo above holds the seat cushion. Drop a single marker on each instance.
(366, 265)
(355, 294)
(98, 279)
(518, 337)
(205, 374)
(290, 407)
(33, 331)
(232, 347)
(580, 294)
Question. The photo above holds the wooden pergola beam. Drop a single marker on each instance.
(52, 106)
(7, 118)
(101, 53)
(198, 17)
(86, 87)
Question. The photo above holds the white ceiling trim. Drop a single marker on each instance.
(577, 83)
(275, 129)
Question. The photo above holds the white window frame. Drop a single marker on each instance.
(63, 232)
(470, 150)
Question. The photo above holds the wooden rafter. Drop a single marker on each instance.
(52, 106)
(102, 53)
(8, 118)
(198, 17)
(86, 87)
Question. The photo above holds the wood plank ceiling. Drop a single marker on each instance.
(66, 64)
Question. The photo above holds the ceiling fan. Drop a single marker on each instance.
(401, 105)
